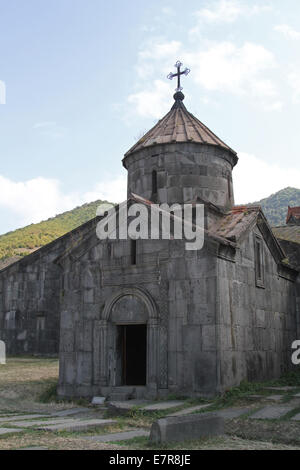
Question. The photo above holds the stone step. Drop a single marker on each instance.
(120, 396)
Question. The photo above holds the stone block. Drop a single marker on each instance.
(98, 400)
(182, 428)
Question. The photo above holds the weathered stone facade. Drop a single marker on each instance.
(209, 325)
(163, 319)
(30, 295)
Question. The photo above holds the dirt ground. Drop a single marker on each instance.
(23, 381)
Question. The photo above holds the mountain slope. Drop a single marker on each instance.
(19, 243)
(275, 207)
(16, 244)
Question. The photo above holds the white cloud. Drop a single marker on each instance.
(112, 189)
(255, 179)
(154, 54)
(40, 198)
(226, 11)
(287, 31)
(153, 102)
(238, 70)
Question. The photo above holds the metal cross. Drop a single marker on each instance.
(178, 74)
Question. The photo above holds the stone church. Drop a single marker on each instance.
(147, 318)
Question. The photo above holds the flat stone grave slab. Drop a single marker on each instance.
(9, 431)
(191, 410)
(182, 428)
(77, 425)
(118, 436)
(296, 417)
(281, 389)
(163, 405)
(256, 397)
(275, 397)
(70, 412)
(271, 412)
(231, 413)
(29, 424)
(34, 448)
(297, 395)
(127, 405)
(16, 417)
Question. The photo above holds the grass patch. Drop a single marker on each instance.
(49, 395)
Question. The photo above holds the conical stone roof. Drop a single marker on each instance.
(178, 125)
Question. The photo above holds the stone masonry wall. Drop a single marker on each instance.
(30, 295)
(256, 325)
(184, 171)
(182, 286)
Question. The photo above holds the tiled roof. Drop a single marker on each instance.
(289, 233)
(293, 212)
(179, 125)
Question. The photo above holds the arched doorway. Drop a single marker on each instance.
(131, 330)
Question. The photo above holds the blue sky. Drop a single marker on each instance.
(81, 80)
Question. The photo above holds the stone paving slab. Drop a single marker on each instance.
(16, 417)
(188, 411)
(71, 411)
(271, 412)
(118, 436)
(9, 431)
(163, 405)
(77, 425)
(231, 413)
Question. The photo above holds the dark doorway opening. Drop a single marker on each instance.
(133, 349)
